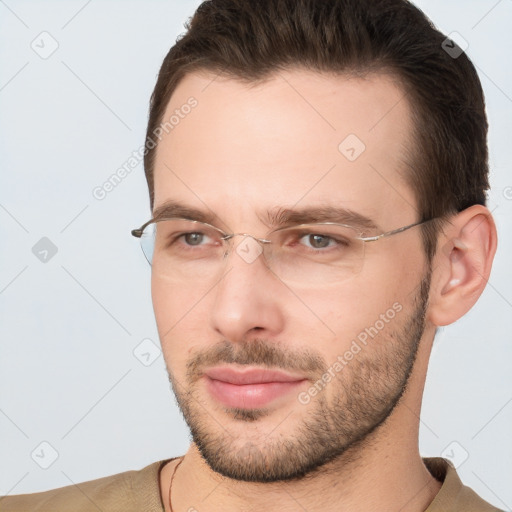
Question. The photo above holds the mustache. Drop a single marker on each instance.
(256, 352)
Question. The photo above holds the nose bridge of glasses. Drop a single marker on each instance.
(260, 240)
(249, 248)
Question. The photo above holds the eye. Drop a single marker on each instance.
(182, 236)
(318, 241)
(196, 239)
(193, 238)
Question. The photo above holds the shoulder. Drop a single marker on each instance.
(454, 495)
(121, 492)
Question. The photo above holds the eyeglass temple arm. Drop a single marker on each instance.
(393, 232)
(138, 232)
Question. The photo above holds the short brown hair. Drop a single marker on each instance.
(250, 40)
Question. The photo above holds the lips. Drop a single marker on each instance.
(251, 388)
(250, 376)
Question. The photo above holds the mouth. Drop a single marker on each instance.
(250, 388)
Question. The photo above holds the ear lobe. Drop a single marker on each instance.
(463, 266)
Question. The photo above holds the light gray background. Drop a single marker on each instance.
(69, 327)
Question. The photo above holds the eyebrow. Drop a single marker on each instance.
(172, 208)
(273, 218)
(284, 216)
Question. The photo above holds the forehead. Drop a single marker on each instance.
(298, 138)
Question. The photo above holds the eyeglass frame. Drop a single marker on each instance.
(137, 233)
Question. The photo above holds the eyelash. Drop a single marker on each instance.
(338, 243)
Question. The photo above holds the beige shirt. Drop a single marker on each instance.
(139, 491)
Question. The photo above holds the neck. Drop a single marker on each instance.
(377, 477)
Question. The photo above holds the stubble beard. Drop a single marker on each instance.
(364, 395)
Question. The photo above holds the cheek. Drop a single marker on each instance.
(344, 312)
(163, 304)
(173, 301)
(178, 315)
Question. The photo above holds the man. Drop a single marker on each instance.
(317, 174)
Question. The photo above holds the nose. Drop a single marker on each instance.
(247, 298)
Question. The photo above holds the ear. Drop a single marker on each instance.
(462, 264)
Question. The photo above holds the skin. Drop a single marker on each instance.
(247, 149)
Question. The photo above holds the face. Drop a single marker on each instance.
(346, 348)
